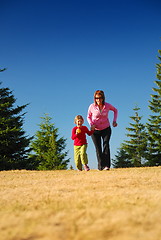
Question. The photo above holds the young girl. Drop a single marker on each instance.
(80, 143)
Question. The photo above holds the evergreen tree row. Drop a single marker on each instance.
(18, 151)
(144, 145)
(45, 151)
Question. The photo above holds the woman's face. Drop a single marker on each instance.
(98, 99)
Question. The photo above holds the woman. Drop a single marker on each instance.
(98, 119)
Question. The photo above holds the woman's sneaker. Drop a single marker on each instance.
(86, 168)
(106, 168)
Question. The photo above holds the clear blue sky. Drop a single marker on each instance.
(59, 52)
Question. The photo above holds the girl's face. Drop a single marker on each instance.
(79, 122)
(98, 99)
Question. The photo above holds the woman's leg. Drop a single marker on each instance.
(106, 134)
(96, 137)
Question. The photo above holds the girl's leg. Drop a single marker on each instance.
(77, 157)
(83, 154)
(84, 157)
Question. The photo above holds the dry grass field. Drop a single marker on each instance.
(120, 204)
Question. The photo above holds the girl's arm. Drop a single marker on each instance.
(89, 132)
(74, 135)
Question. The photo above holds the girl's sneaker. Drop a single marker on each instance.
(86, 168)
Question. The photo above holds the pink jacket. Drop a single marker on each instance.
(100, 118)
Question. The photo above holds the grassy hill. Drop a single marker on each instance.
(120, 204)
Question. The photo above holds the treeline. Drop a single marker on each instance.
(143, 147)
(44, 151)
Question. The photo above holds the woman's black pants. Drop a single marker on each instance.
(101, 140)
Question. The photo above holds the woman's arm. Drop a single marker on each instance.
(89, 115)
(115, 115)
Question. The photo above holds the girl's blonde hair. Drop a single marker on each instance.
(77, 118)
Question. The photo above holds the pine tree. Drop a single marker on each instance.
(14, 145)
(137, 145)
(48, 147)
(1, 70)
(71, 167)
(122, 159)
(154, 121)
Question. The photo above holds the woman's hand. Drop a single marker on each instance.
(92, 127)
(114, 124)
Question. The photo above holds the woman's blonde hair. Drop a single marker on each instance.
(101, 94)
(77, 118)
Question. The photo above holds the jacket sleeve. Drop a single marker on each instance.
(89, 132)
(89, 116)
(74, 135)
(112, 108)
